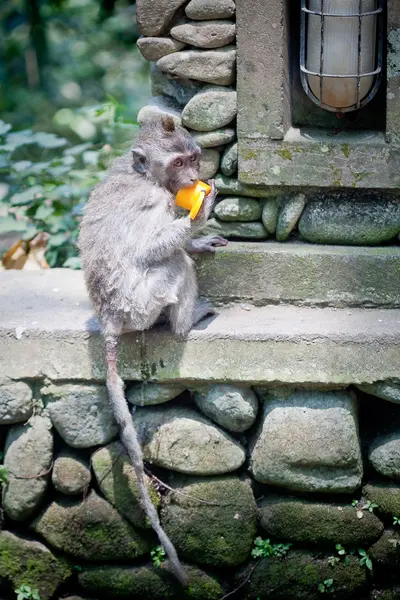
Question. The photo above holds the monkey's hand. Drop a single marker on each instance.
(207, 205)
(207, 243)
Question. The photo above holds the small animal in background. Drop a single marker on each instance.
(134, 251)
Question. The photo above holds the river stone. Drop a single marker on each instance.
(238, 209)
(384, 454)
(147, 394)
(81, 414)
(305, 521)
(159, 106)
(218, 531)
(181, 439)
(210, 109)
(324, 451)
(28, 562)
(203, 10)
(205, 34)
(350, 221)
(154, 48)
(211, 66)
(386, 390)
(270, 214)
(118, 482)
(180, 90)
(298, 576)
(71, 473)
(385, 552)
(219, 137)
(232, 407)
(229, 162)
(91, 529)
(28, 452)
(16, 404)
(289, 216)
(209, 163)
(386, 496)
(153, 17)
(242, 231)
(146, 581)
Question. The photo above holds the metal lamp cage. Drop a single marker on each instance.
(304, 72)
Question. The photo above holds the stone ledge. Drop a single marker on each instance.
(47, 330)
(303, 274)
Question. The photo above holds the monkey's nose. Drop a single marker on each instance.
(193, 180)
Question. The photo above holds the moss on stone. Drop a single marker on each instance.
(297, 577)
(211, 521)
(346, 150)
(92, 530)
(28, 562)
(147, 581)
(386, 496)
(118, 482)
(386, 551)
(284, 153)
(305, 521)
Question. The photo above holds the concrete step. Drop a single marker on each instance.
(302, 274)
(47, 330)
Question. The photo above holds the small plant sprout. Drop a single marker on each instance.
(26, 592)
(326, 587)
(369, 506)
(365, 559)
(355, 503)
(157, 555)
(340, 550)
(264, 548)
(396, 520)
(333, 560)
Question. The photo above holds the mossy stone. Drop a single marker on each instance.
(270, 214)
(298, 575)
(289, 216)
(229, 161)
(211, 521)
(218, 137)
(238, 209)
(386, 551)
(253, 230)
(304, 521)
(91, 530)
(386, 496)
(28, 562)
(118, 482)
(71, 473)
(147, 581)
(354, 221)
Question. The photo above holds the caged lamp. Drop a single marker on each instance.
(341, 48)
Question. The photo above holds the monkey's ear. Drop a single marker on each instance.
(168, 124)
(139, 160)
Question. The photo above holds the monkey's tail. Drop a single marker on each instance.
(129, 439)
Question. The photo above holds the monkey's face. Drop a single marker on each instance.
(182, 170)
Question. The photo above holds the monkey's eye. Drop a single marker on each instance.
(193, 158)
(178, 162)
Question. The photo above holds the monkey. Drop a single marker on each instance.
(135, 251)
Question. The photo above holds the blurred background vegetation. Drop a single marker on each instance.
(71, 84)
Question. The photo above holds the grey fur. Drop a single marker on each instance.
(134, 255)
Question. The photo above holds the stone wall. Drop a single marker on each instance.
(191, 46)
(224, 479)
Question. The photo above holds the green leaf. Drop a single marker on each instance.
(49, 140)
(328, 582)
(321, 588)
(26, 197)
(368, 564)
(4, 127)
(43, 212)
(362, 552)
(74, 262)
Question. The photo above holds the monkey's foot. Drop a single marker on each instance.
(207, 243)
(203, 309)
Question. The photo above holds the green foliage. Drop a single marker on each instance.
(396, 520)
(157, 555)
(365, 559)
(369, 506)
(264, 548)
(3, 474)
(26, 592)
(326, 587)
(48, 181)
